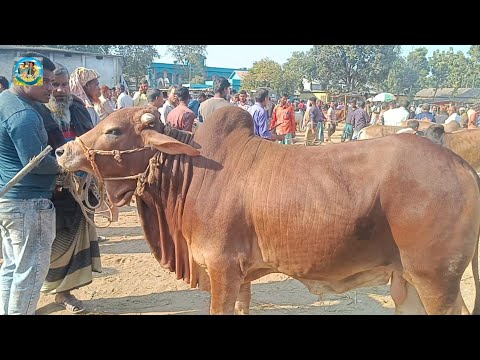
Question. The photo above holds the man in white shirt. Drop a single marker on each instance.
(124, 100)
(394, 117)
(170, 104)
(453, 115)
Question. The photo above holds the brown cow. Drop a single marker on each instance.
(422, 124)
(465, 143)
(239, 212)
(376, 131)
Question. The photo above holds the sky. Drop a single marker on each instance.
(239, 56)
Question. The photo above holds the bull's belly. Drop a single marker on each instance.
(373, 277)
(329, 264)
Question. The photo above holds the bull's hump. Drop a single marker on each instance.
(226, 120)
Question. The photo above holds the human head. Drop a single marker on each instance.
(155, 98)
(242, 96)
(144, 86)
(105, 91)
(39, 93)
(84, 84)
(313, 101)
(404, 104)
(202, 97)
(183, 94)
(221, 86)
(4, 84)
(414, 124)
(261, 96)
(61, 87)
(172, 95)
(451, 109)
(426, 107)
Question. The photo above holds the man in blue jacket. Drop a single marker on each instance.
(27, 216)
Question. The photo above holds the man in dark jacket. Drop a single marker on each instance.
(75, 250)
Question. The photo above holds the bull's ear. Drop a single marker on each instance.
(167, 144)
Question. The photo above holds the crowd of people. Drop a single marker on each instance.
(48, 243)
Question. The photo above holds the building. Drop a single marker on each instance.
(162, 75)
(314, 88)
(110, 67)
(236, 79)
(447, 95)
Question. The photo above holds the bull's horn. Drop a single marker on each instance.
(148, 118)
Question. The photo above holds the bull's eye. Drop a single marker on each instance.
(114, 132)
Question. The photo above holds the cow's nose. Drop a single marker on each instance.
(59, 152)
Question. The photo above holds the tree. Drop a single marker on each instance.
(264, 73)
(458, 67)
(295, 70)
(99, 49)
(191, 57)
(137, 59)
(352, 67)
(473, 73)
(438, 63)
(408, 76)
(418, 68)
(197, 79)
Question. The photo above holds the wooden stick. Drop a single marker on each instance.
(26, 169)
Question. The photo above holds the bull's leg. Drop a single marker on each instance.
(440, 293)
(242, 305)
(407, 301)
(225, 282)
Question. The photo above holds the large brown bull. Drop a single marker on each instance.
(230, 203)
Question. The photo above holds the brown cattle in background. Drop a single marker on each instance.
(465, 143)
(422, 124)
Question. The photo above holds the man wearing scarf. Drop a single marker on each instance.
(75, 251)
(84, 84)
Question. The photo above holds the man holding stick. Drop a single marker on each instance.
(27, 216)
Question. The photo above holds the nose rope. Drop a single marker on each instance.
(147, 176)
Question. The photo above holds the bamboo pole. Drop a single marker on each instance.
(26, 169)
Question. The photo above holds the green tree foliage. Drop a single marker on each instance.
(458, 66)
(137, 59)
(264, 73)
(295, 69)
(439, 67)
(351, 67)
(197, 79)
(190, 57)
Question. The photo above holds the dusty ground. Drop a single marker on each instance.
(132, 282)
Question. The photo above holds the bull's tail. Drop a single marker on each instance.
(476, 279)
(476, 276)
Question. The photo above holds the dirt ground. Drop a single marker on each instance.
(132, 282)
